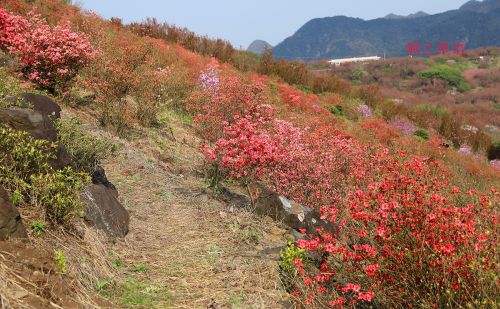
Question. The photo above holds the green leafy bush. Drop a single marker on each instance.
(287, 257)
(450, 74)
(26, 173)
(87, 150)
(20, 157)
(8, 87)
(337, 110)
(59, 193)
(38, 228)
(422, 134)
(60, 260)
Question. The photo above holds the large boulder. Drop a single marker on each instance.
(38, 125)
(11, 225)
(104, 211)
(291, 213)
(99, 178)
(41, 103)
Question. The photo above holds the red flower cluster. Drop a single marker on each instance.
(246, 150)
(50, 57)
(409, 239)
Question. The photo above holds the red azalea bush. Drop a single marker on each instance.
(408, 240)
(379, 129)
(297, 100)
(246, 150)
(51, 57)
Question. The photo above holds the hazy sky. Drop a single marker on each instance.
(243, 21)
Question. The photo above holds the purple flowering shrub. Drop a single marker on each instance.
(209, 79)
(405, 126)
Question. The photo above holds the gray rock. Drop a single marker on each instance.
(234, 199)
(41, 103)
(291, 213)
(38, 125)
(11, 225)
(99, 178)
(104, 211)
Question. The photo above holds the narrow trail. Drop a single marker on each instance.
(190, 249)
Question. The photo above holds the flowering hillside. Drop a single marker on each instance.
(415, 220)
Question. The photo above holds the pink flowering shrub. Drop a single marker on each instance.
(246, 150)
(405, 126)
(51, 57)
(316, 166)
(228, 97)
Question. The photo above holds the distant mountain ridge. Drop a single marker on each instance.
(477, 24)
(259, 47)
(414, 15)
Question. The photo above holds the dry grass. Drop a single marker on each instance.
(183, 243)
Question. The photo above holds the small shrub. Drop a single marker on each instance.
(20, 157)
(38, 228)
(87, 150)
(25, 171)
(291, 261)
(388, 109)
(337, 110)
(450, 74)
(60, 260)
(59, 193)
(289, 257)
(422, 134)
(8, 87)
(404, 126)
(369, 94)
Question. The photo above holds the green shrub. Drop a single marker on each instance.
(337, 110)
(59, 193)
(287, 256)
(8, 87)
(38, 228)
(26, 173)
(60, 260)
(450, 74)
(87, 150)
(20, 157)
(422, 134)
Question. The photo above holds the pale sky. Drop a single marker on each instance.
(241, 22)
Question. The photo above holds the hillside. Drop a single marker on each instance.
(259, 47)
(143, 166)
(340, 36)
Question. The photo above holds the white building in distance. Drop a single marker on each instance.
(357, 59)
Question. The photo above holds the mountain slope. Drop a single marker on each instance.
(340, 36)
(259, 47)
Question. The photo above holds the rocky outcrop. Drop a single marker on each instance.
(37, 124)
(41, 103)
(234, 199)
(11, 225)
(291, 213)
(99, 178)
(104, 211)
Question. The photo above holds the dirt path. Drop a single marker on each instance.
(185, 249)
